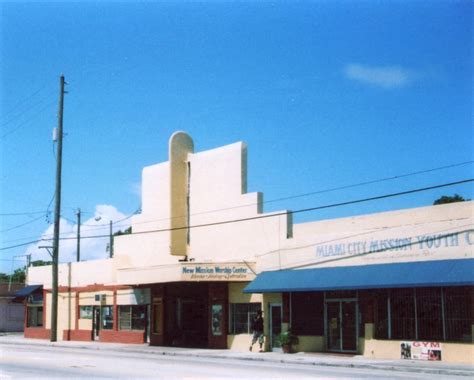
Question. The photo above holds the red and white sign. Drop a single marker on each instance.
(421, 350)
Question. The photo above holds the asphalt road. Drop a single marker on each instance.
(39, 362)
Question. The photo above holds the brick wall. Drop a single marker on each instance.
(79, 335)
(37, 333)
(132, 337)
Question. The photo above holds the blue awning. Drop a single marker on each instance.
(27, 290)
(394, 275)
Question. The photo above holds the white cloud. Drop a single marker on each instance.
(136, 189)
(91, 248)
(381, 76)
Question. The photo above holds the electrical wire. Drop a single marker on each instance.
(22, 245)
(14, 117)
(103, 225)
(26, 121)
(344, 187)
(379, 197)
(263, 216)
(24, 224)
(22, 213)
(23, 101)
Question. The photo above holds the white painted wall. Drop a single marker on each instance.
(417, 234)
(75, 274)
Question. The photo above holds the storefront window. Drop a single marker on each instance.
(85, 312)
(132, 317)
(402, 308)
(439, 314)
(428, 312)
(35, 316)
(381, 314)
(241, 317)
(107, 317)
(34, 310)
(458, 313)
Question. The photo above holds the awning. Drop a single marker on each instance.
(27, 290)
(394, 275)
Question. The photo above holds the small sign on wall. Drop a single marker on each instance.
(421, 350)
(217, 272)
(216, 320)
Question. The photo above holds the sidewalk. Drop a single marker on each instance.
(315, 359)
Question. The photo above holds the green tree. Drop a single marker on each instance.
(19, 274)
(40, 263)
(127, 231)
(449, 199)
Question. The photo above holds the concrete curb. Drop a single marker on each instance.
(294, 359)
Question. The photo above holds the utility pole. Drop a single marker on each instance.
(57, 214)
(78, 213)
(27, 270)
(111, 242)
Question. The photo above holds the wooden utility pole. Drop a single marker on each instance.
(57, 215)
(111, 241)
(78, 234)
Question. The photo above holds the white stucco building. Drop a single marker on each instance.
(202, 258)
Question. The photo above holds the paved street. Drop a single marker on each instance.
(24, 361)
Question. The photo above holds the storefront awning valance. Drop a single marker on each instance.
(393, 275)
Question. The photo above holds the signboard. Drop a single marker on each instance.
(398, 245)
(217, 272)
(421, 350)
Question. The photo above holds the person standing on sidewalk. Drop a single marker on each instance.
(257, 331)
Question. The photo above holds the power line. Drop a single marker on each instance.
(107, 224)
(14, 117)
(22, 245)
(23, 101)
(344, 187)
(24, 224)
(27, 120)
(371, 182)
(260, 216)
(379, 197)
(22, 213)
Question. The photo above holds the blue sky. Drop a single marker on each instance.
(325, 94)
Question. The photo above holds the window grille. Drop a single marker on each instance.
(241, 317)
(440, 314)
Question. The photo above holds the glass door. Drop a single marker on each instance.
(341, 325)
(349, 326)
(275, 326)
(334, 326)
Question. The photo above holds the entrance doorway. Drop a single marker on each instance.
(341, 325)
(191, 323)
(275, 326)
(95, 322)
